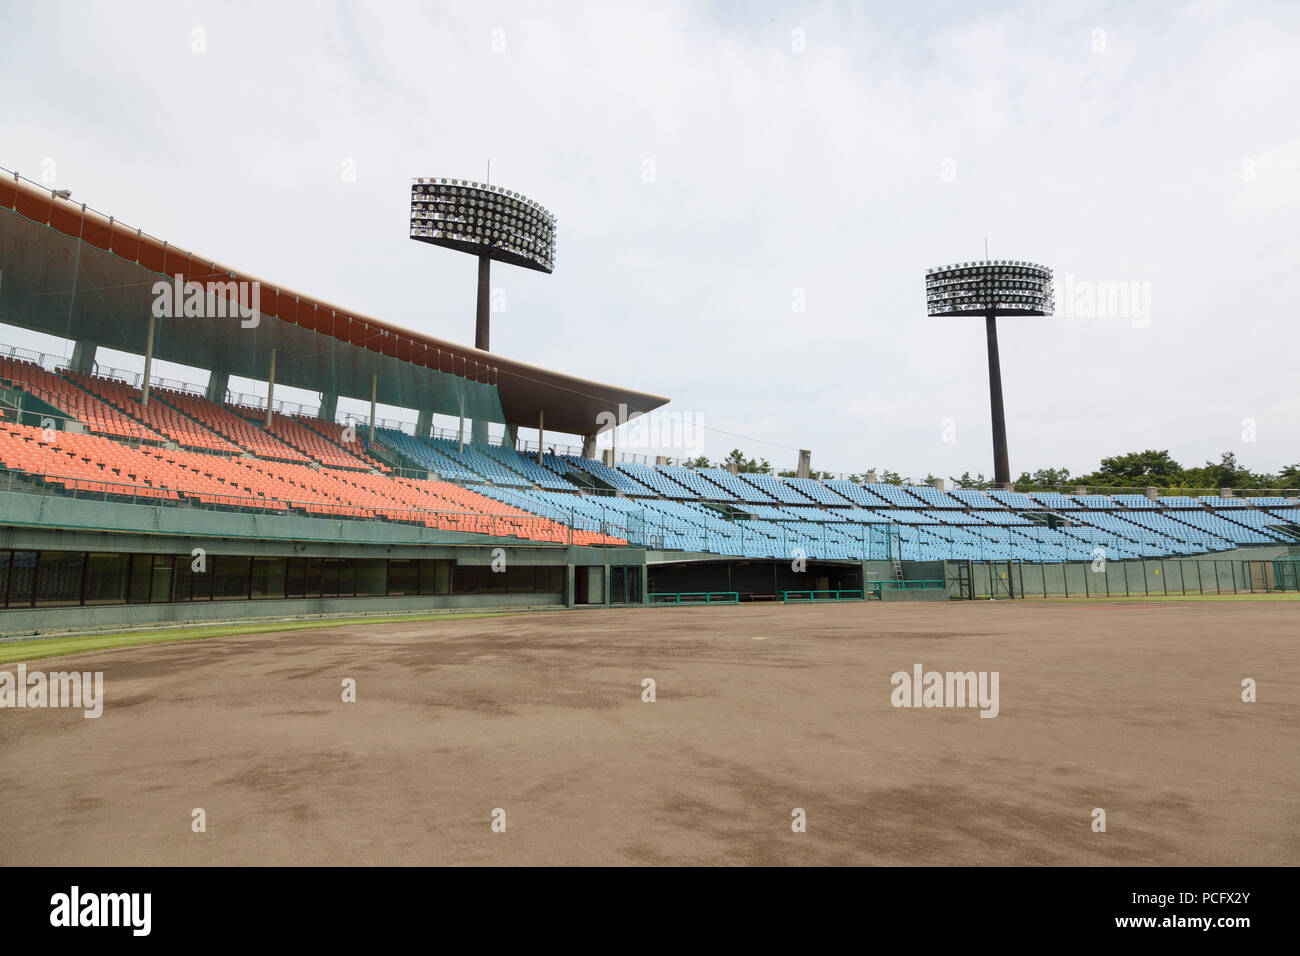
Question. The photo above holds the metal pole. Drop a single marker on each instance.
(374, 385)
(541, 433)
(1001, 465)
(270, 395)
(481, 326)
(148, 360)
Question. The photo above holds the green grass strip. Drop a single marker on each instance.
(57, 646)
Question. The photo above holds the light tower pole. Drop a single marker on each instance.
(490, 222)
(991, 288)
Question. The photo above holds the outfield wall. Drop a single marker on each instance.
(1245, 571)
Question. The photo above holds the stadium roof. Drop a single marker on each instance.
(69, 271)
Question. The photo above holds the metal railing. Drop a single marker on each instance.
(694, 597)
(841, 594)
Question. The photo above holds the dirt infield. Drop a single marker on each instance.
(760, 710)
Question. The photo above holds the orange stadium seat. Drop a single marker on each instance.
(93, 463)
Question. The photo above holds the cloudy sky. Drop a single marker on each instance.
(748, 197)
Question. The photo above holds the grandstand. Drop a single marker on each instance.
(113, 486)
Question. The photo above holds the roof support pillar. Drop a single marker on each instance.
(83, 357)
(374, 390)
(541, 434)
(588, 446)
(270, 390)
(460, 432)
(424, 423)
(329, 406)
(148, 362)
(218, 382)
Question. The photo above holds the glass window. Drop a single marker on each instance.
(58, 579)
(141, 582)
(269, 577)
(522, 580)
(22, 574)
(295, 578)
(403, 577)
(372, 577)
(346, 576)
(105, 578)
(330, 577)
(435, 576)
(229, 577)
(160, 586)
(313, 573)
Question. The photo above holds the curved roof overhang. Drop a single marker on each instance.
(69, 271)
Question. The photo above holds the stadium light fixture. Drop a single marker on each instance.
(990, 288)
(486, 221)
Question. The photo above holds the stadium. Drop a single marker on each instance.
(299, 513)
(454, 535)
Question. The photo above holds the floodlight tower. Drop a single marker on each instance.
(488, 221)
(990, 288)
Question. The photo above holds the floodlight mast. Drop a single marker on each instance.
(1001, 463)
(991, 288)
(482, 317)
(488, 221)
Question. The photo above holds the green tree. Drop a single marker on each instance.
(1135, 469)
(1044, 478)
(737, 457)
(978, 482)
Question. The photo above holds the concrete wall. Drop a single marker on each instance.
(27, 621)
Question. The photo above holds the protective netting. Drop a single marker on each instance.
(103, 290)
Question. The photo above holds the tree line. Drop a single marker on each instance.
(1138, 469)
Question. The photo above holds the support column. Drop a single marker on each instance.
(148, 362)
(588, 446)
(270, 390)
(374, 386)
(805, 463)
(329, 405)
(541, 434)
(460, 431)
(1001, 465)
(83, 357)
(512, 436)
(424, 423)
(218, 382)
(568, 585)
(645, 584)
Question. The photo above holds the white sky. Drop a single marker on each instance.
(1155, 143)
